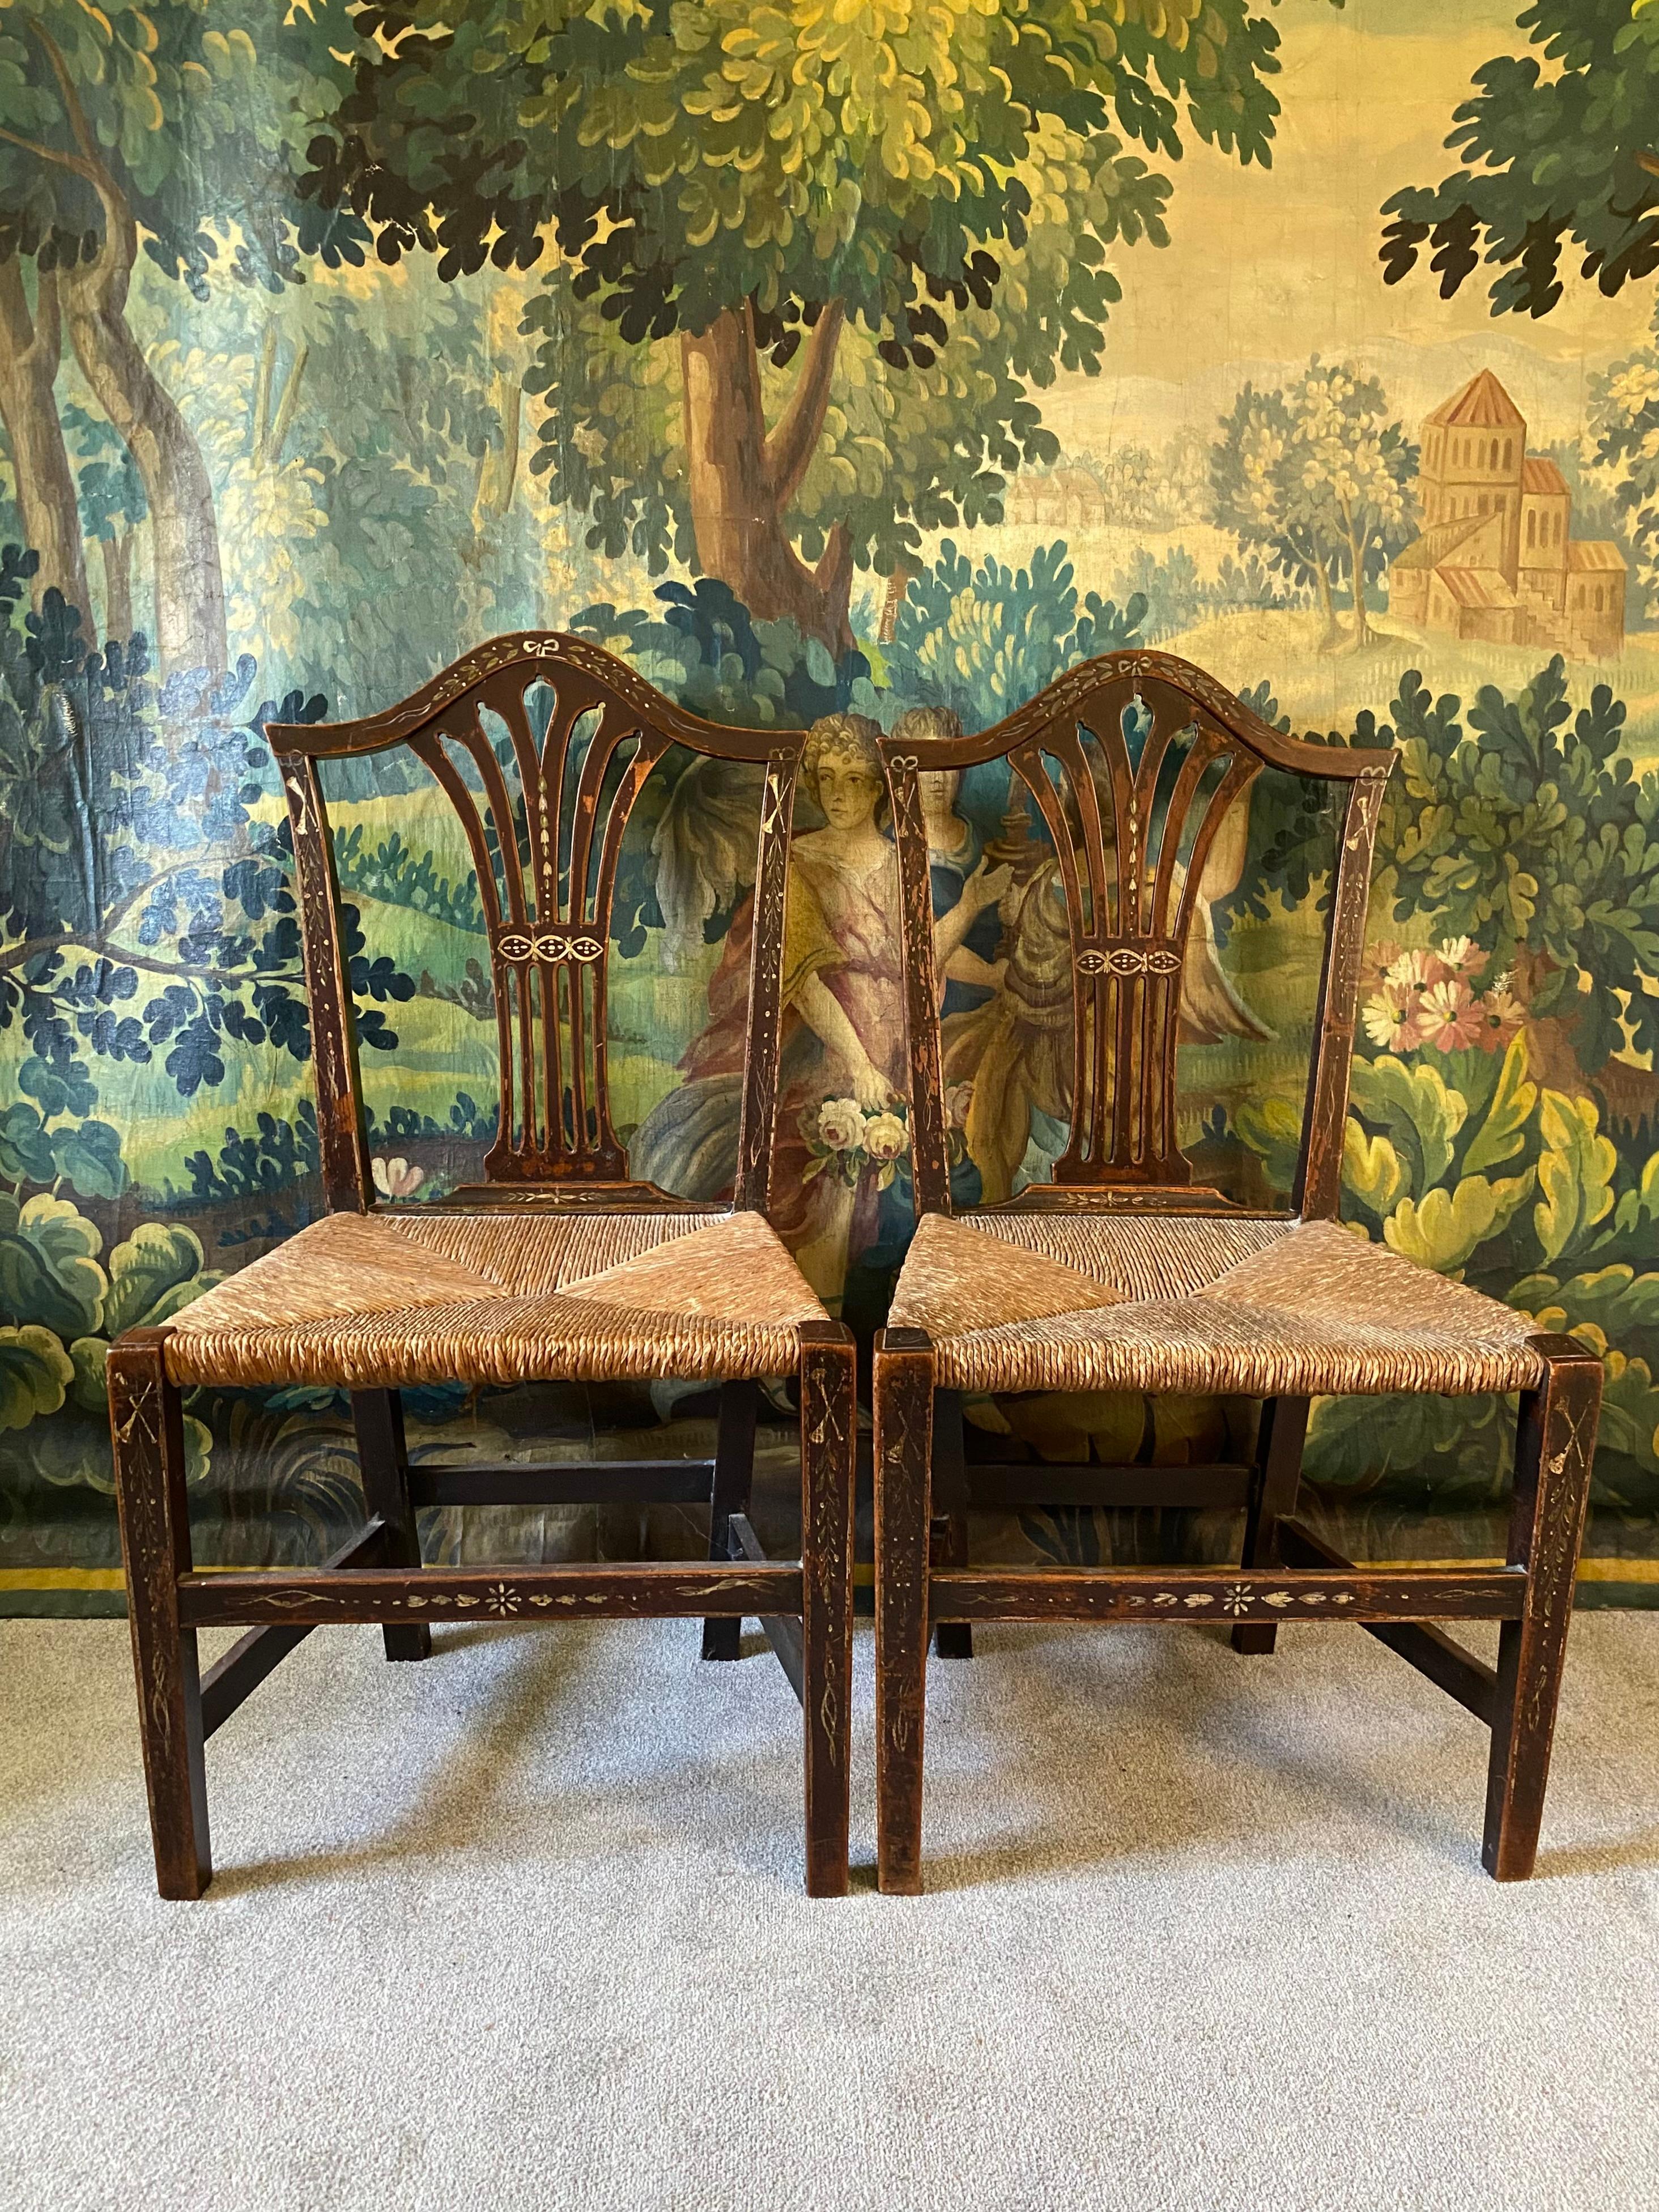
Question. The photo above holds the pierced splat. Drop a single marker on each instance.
(543, 744)
(1132, 793)
(1131, 764)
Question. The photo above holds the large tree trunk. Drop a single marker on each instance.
(189, 591)
(742, 481)
(30, 348)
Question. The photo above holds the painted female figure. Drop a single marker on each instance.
(842, 1067)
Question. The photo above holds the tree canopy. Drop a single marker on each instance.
(1557, 154)
(919, 203)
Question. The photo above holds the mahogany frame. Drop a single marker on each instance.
(1130, 899)
(546, 863)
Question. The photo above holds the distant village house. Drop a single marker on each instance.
(1497, 559)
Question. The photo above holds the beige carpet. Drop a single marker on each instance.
(522, 1927)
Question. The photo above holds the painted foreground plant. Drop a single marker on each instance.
(847, 1143)
(1428, 998)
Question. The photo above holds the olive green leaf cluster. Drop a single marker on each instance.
(1559, 151)
(61, 1304)
(1522, 829)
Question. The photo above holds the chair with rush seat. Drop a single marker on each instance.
(1124, 1273)
(558, 1266)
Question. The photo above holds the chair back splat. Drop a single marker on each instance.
(544, 801)
(1133, 763)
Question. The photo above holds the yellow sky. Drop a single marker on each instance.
(1266, 267)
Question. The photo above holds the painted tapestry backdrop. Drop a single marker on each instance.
(825, 362)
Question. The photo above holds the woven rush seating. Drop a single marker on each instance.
(558, 1267)
(1125, 1272)
(366, 1301)
(1199, 1304)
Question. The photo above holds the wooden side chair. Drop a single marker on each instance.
(556, 1266)
(1124, 1273)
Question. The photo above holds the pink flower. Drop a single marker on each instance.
(885, 1136)
(398, 1178)
(1461, 955)
(841, 1124)
(1502, 1014)
(1447, 1016)
(958, 1097)
(1389, 1022)
(1413, 970)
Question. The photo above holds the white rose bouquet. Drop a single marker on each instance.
(848, 1143)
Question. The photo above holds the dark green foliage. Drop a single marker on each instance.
(146, 909)
(1527, 833)
(398, 877)
(1556, 154)
(707, 652)
(981, 641)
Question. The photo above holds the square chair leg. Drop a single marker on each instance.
(902, 1396)
(383, 1459)
(1273, 1486)
(1552, 1456)
(147, 1430)
(734, 1476)
(829, 1432)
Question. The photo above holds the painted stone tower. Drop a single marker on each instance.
(1497, 559)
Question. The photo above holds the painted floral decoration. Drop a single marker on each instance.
(1430, 997)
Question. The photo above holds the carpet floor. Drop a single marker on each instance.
(523, 1927)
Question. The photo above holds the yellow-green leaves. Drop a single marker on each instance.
(35, 1374)
(1503, 1134)
(1370, 1169)
(1442, 1230)
(1417, 1109)
(1575, 1173)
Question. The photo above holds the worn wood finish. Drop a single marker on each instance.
(1554, 1450)
(1317, 1190)
(1208, 1593)
(383, 1460)
(652, 1590)
(828, 1422)
(902, 1402)
(1433, 1653)
(147, 1432)
(239, 1672)
(731, 1478)
(1274, 1487)
(952, 1495)
(1132, 763)
(542, 743)
(342, 1131)
(1129, 764)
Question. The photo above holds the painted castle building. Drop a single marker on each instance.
(1497, 559)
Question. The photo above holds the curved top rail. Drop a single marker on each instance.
(1069, 692)
(535, 650)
